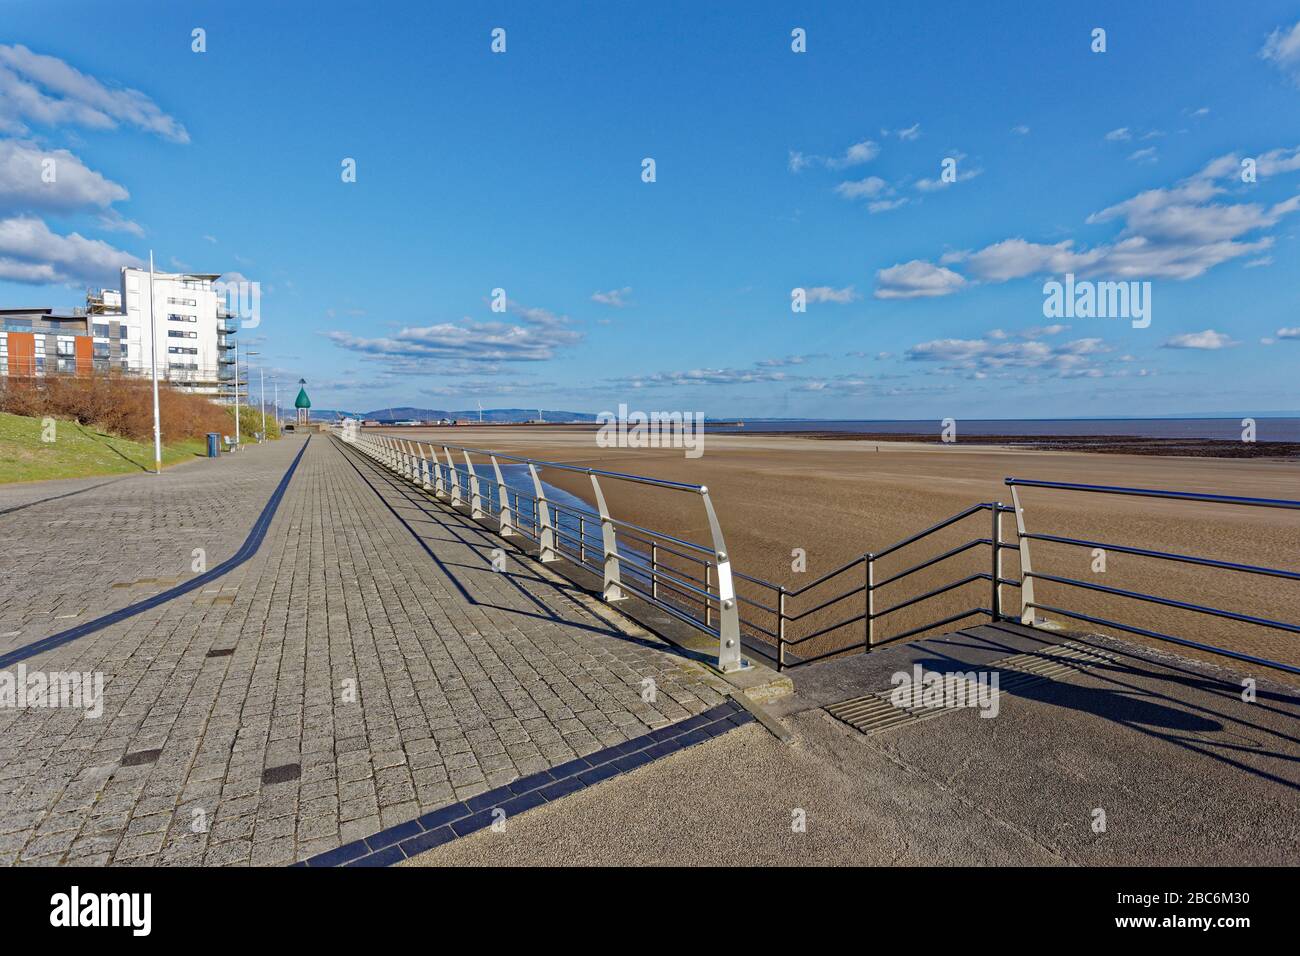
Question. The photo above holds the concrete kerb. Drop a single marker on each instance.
(635, 617)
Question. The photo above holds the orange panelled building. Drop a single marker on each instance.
(35, 342)
(22, 353)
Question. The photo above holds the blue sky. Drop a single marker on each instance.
(775, 170)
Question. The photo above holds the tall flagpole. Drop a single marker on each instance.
(153, 352)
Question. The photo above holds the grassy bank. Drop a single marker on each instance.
(78, 451)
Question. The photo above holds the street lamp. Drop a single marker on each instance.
(238, 437)
(153, 354)
(261, 375)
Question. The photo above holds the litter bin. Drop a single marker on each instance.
(214, 444)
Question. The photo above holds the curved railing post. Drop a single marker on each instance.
(1026, 566)
(475, 496)
(408, 460)
(439, 486)
(613, 590)
(455, 478)
(545, 530)
(507, 526)
(729, 658)
(426, 481)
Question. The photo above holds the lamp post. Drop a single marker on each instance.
(153, 354)
(261, 401)
(237, 436)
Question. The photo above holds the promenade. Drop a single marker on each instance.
(363, 666)
(346, 679)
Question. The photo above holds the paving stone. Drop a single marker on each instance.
(460, 685)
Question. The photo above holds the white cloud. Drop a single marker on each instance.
(998, 354)
(862, 188)
(1178, 232)
(911, 133)
(855, 155)
(112, 221)
(30, 252)
(23, 189)
(701, 376)
(884, 205)
(1119, 135)
(915, 280)
(1014, 258)
(469, 340)
(933, 185)
(47, 91)
(1147, 155)
(1291, 333)
(789, 360)
(1208, 340)
(614, 297)
(1021, 130)
(822, 293)
(1282, 48)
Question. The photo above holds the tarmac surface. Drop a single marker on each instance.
(1184, 771)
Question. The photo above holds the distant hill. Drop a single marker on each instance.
(401, 413)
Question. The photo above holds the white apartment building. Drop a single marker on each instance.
(193, 331)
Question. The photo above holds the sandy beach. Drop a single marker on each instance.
(837, 499)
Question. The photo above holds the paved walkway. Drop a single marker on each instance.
(365, 666)
(76, 548)
(1185, 771)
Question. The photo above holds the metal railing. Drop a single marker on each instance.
(1029, 604)
(870, 583)
(699, 586)
(659, 568)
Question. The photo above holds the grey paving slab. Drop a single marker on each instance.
(75, 549)
(365, 666)
(1145, 759)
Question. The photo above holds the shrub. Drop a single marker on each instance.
(114, 403)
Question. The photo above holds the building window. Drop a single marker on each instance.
(66, 346)
(181, 334)
(101, 330)
(177, 317)
(101, 350)
(181, 350)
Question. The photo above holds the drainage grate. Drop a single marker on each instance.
(876, 712)
(282, 774)
(1023, 670)
(221, 652)
(141, 757)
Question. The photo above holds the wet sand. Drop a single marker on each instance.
(837, 499)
